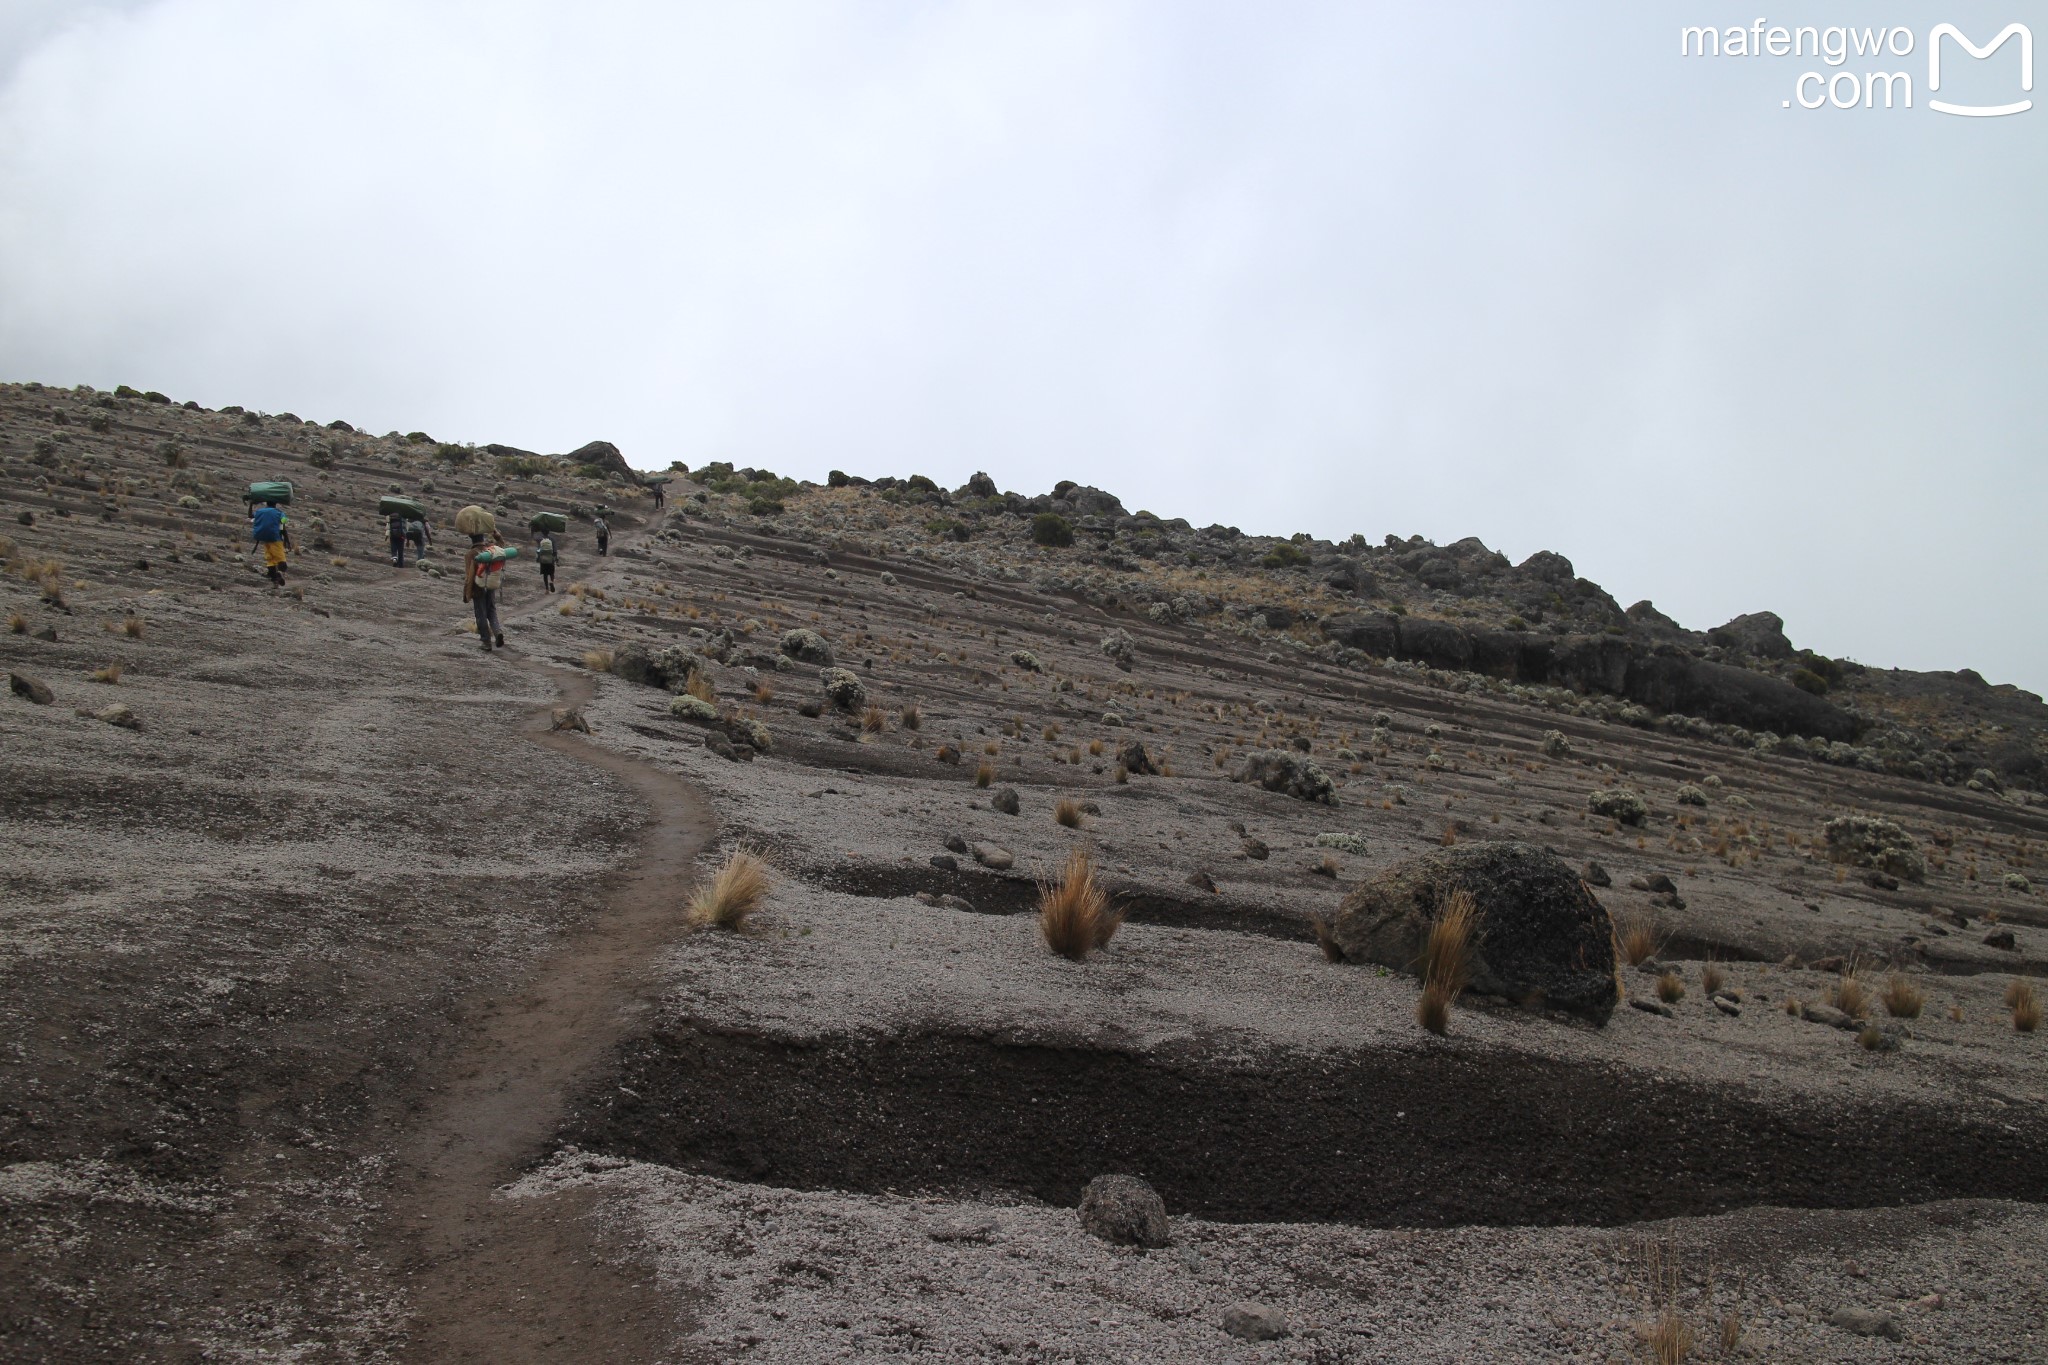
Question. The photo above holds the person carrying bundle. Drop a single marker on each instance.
(483, 572)
(545, 556)
(273, 540)
(421, 533)
(394, 526)
(604, 534)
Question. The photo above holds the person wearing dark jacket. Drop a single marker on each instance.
(395, 526)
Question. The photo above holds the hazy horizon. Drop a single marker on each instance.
(1530, 276)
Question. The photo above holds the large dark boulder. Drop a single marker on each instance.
(1374, 632)
(1436, 643)
(1540, 937)
(603, 455)
(1761, 633)
(1733, 696)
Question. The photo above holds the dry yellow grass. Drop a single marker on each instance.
(1712, 978)
(874, 720)
(598, 660)
(110, 674)
(984, 773)
(699, 686)
(1049, 733)
(1095, 748)
(1670, 989)
(1669, 1338)
(1449, 836)
(1327, 866)
(2026, 1006)
(1902, 998)
(132, 627)
(1326, 939)
(17, 624)
(1446, 961)
(1636, 937)
(1850, 996)
(1074, 913)
(992, 748)
(910, 717)
(734, 892)
(1067, 811)
(763, 693)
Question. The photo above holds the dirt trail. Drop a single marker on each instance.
(514, 1281)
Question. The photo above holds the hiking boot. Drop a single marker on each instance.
(501, 642)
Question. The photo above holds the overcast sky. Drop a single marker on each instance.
(1519, 271)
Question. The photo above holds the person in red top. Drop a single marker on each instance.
(480, 582)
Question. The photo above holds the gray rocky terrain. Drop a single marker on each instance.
(353, 1011)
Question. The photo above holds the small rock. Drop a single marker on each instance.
(2001, 938)
(569, 718)
(1125, 1210)
(1596, 875)
(1655, 1007)
(1826, 1014)
(120, 715)
(1004, 800)
(1867, 1322)
(37, 692)
(47, 633)
(1202, 881)
(1138, 763)
(994, 858)
(1883, 881)
(955, 844)
(945, 862)
(1254, 1322)
(967, 1228)
(1728, 1007)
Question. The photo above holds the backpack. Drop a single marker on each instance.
(267, 525)
(547, 551)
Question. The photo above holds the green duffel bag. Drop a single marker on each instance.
(401, 507)
(268, 492)
(548, 521)
(651, 479)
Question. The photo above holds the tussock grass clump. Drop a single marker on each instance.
(984, 773)
(763, 693)
(2026, 1006)
(133, 626)
(910, 717)
(1793, 1006)
(1327, 866)
(1067, 811)
(1449, 836)
(1636, 937)
(1074, 913)
(1325, 939)
(17, 624)
(734, 892)
(110, 674)
(1049, 733)
(1446, 961)
(1095, 748)
(1902, 998)
(1670, 989)
(1712, 978)
(874, 720)
(598, 660)
(992, 748)
(699, 686)
(1850, 995)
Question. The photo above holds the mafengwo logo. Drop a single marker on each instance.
(1856, 57)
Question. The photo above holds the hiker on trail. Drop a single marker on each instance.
(657, 495)
(395, 526)
(480, 582)
(604, 535)
(421, 535)
(273, 538)
(544, 555)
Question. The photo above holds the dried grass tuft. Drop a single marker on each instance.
(2026, 1006)
(984, 773)
(1902, 998)
(110, 674)
(699, 686)
(910, 717)
(598, 660)
(1325, 939)
(1095, 748)
(1446, 960)
(734, 892)
(1850, 995)
(1074, 913)
(1636, 937)
(1712, 978)
(763, 693)
(874, 721)
(17, 624)
(1670, 989)
(1067, 811)
(132, 627)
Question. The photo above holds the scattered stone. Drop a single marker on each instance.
(569, 718)
(1867, 841)
(842, 688)
(1657, 1007)
(24, 686)
(945, 862)
(1826, 1014)
(1254, 1322)
(994, 858)
(1138, 763)
(1256, 849)
(1596, 875)
(1882, 881)
(964, 1228)
(1618, 803)
(1867, 1322)
(807, 646)
(1124, 1210)
(810, 708)
(1731, 1008)
(1277, 770)
(48, 634)
(1202, 881)
(120, 715)
(1540, 933)
(1004, 800)
(955, 844)
(2001, 938)
(1342, 841)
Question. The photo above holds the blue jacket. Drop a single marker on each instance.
(267, 524)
